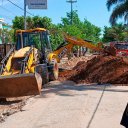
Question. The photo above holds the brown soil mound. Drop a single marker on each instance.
(100, 69)
(67, 74)
(73, 61)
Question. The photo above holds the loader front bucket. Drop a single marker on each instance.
(20, 85)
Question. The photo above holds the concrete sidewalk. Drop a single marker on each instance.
(69, 106)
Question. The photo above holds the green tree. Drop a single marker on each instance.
(120, 10)
(32, 22)
(90, 31)
(56, 36)
(42, 22)
(7, 35)
(67, 20)
(18, 22)
(118, 32)
(81, 29)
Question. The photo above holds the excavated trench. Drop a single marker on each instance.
(100, 69)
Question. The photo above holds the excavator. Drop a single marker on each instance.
(25, 67)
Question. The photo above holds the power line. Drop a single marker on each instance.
(7, 10)
(19, 7)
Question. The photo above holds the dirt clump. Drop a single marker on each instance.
(100, 69)
(69, 74)
(74, 60)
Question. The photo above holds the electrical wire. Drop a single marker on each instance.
(19, 7)
(7, 10)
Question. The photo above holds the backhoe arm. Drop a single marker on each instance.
(67, 48)
(59, 53)
(82, 43)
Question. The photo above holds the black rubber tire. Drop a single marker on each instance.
(53, 71)
(43, 71)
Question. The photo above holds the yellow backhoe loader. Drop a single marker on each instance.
(26, 67)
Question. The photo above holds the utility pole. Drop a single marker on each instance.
(25, 14)
(71, 2)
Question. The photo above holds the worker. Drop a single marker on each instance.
(124, 120)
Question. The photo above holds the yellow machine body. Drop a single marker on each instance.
(19, 56)
(18, 76)
(13, 83)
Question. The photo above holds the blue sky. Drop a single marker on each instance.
(94, 11)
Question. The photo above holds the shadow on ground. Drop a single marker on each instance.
(9, 102)
(65, 88)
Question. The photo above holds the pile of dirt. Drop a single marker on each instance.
(100, 69)
(74, 60)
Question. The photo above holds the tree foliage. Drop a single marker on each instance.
(118, 32)
(6, 35)
(32, 22)
(120, 10)
(80, 29)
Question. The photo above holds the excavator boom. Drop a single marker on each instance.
(70, 43)
(83, 43)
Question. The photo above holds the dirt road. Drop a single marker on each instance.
(69, 106)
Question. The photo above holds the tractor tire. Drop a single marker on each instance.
(42, 69)
(53, 71)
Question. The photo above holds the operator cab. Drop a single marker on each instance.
(38, 37)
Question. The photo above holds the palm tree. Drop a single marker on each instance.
(117, 32)
(120, 10)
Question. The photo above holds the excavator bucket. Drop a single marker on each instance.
(20, 85)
